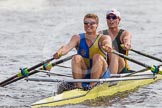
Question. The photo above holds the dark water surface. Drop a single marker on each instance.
(32, 30)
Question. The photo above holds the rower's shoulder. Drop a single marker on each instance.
(100, 32)
(103, 31)
(75, 39)
(127, 33)
(105, 37)
(76, 36)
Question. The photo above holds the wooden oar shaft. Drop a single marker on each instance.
(29, 69)
(144, 54)
(35, 71)
(91, 80)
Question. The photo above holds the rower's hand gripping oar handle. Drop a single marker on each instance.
(122, 45)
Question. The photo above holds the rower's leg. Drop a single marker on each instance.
(121, 64)
(78, 69)
(99, 66)
(113, 65)
(116, 64)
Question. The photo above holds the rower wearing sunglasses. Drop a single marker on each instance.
(119, 37)
(92, 48)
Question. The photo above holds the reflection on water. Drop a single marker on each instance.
(32, 30)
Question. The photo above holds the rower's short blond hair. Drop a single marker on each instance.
(93, 16)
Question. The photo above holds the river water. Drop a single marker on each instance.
(32, 30)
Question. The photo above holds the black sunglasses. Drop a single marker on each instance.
(111, 17)
(91, 23)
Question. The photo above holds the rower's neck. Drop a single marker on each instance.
(113, 32)
(91, 36)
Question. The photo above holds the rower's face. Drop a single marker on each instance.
(112, 20)
(90, 25)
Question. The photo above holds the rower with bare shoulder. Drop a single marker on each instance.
(92, 49)
(119, 37)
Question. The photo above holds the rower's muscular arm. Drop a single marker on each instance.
(73, 43)
(106, 43)
(126, 39)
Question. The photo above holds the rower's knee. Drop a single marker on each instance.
(121, 64)
(77, 58)
(97, 58)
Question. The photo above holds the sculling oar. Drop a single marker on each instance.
(147, 55)
(91, 80)
(26, 71)
(36, 71)
(154, 69)
(144, 54)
